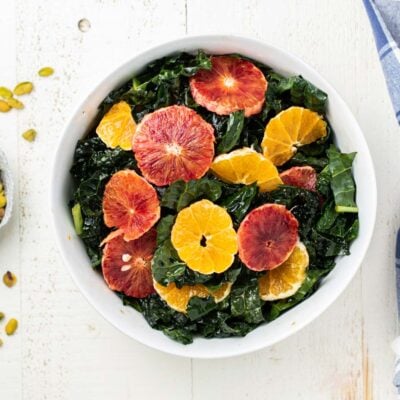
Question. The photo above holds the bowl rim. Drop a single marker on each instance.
(320, 307)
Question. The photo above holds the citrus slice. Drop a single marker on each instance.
(117, 127)
(204, 237)
(178, 298)
(267, 237)
(302, 177)
(285, 280)
(129, 204)
(173, 143)
(232, 84)
(126, 265)
(246, 166)
(291, 128)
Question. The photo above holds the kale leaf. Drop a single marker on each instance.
(180, 194)
(342, 181)
(233, 131)
(238, 203)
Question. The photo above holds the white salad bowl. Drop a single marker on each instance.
(348, 136)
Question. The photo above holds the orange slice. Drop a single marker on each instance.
(247, 166)
(204, 237)
(178, 298)
(285, 280)
(117, 127)
(291, 128)
(232, 84)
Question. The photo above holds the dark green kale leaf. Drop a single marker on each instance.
(299, 159)
(239, 202)
(199, 307)
(166, 265)
(342, 181)
(164, 227)
(324, 183)
(233, 131)
(246, 302)
(91, 155)
(180, 194)
(284, 92)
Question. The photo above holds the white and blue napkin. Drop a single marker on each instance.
(385, 20)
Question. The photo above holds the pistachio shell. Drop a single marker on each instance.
(46, 71)
(5, 93)
(2, 315)
(14, 103)
(11, 326)
(4, 107)
(29, 135)
(23, 88)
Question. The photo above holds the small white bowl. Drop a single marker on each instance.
(349, 138)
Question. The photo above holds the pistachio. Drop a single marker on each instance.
(11, 326)
(2, 212)
(1, 315)
(23, 88)
(3, 200)
(4, 107)
(5, 93)
(9, 279)
(14, 103)
(46, 71)
(29, 135)
(1, 186)
(1, 343)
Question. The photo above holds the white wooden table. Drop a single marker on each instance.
(64, 349)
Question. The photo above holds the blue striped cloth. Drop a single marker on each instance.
(385, 20)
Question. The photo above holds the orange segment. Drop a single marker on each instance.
(246, 166)
(204, 237)
(178, 298)
(117, 127)
(285, 280)
(291, 128)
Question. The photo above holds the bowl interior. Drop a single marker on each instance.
(348, 137)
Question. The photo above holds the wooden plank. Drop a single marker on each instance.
(68, 350)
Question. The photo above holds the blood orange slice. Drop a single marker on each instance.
(173, 143)
(126, 265)
(302, 177)
(267, 237)
(130, 204)
(232, 84)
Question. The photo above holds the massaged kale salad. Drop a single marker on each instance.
(210, 194)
